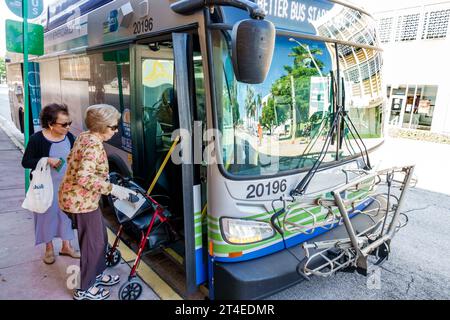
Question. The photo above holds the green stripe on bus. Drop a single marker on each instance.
(228, 248)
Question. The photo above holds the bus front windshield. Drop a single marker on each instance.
(281, 125)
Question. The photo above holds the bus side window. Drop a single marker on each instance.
(110, 83)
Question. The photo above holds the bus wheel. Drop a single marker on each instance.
(130, 290)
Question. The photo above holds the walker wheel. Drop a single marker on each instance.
(112, 259)
(130, 290)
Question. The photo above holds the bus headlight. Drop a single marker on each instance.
(240, 231)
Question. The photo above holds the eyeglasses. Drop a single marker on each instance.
(114, 128)
(64, 125)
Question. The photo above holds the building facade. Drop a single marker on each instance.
(416, 43)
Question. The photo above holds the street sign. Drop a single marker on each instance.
(14, 37)
(35, 7)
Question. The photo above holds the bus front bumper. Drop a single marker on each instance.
(262, 277)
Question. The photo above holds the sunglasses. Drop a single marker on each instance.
(64, 125)
(114, 128)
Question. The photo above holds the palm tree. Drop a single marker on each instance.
(258, 105)
(250, 104)
(303, 58)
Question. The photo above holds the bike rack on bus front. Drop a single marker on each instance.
(352, 253)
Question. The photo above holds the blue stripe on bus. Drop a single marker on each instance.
(291, 242)
(200, 266)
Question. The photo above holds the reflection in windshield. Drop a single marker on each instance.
(278, 125)
(361, 68)
(346, 24)
(281, 124)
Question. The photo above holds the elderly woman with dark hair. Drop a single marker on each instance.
(53, 142)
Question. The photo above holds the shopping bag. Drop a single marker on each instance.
(39, 196)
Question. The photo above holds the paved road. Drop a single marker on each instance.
(419, 267)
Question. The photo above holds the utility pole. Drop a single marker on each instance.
(294, 109)
(26, 108)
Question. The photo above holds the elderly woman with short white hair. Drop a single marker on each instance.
(86, 179)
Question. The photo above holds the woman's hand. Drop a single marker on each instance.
(121, 193)
(53, 162)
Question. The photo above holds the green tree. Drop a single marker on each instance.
(267, 119)
(2, 68)
(294, 88)
(258, 104)
(250, 103)
(272, 116)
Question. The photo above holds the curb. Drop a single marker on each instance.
(15, 135)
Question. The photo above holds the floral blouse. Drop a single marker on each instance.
(86, 176)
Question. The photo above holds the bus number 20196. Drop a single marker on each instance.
(142, 26)
(261, 189)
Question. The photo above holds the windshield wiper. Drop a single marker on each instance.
(303, 185)
(340, 120)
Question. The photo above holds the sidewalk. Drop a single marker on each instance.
(23, 274)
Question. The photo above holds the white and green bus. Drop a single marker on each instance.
(279, 103)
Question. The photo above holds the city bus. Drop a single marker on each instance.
(277, 127)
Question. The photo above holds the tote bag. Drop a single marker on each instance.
(39, 196)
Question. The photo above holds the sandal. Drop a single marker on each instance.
(101, 294)
(110, 280)
(49, 257)
(72, 253)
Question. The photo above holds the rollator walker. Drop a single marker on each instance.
(147, 215)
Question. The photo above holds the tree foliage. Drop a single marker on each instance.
(301, 71)
(2, 68)
(273, 115)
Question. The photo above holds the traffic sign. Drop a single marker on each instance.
(14, 37)
(35, 7)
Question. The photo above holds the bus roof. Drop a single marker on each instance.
(80, 24)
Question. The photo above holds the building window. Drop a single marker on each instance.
(436, 24)
(345, 50)
(110, 84)
(385, 29)
(412, 106)
(425, 110)
(407, 27)
(353, 75)
(75, 68)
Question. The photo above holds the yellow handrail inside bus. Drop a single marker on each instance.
(169, 153)
(204, 211)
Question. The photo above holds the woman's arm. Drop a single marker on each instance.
(87, 174)
(30, 158)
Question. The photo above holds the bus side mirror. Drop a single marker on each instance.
(253, 42)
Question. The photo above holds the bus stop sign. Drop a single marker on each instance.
(14, 37)
(35, 7)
